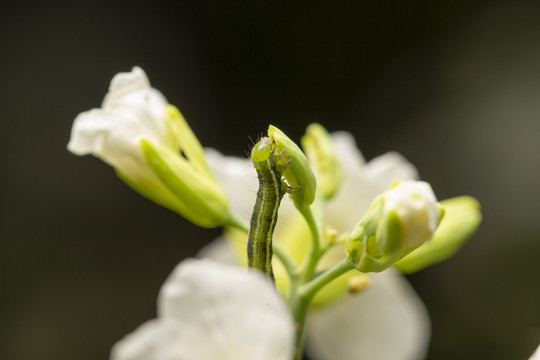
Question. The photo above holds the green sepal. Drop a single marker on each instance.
(186, 140)
(203, 200)
(376, 241)
(298, 172)
(155, 192)
(461, 220)
(320, 151)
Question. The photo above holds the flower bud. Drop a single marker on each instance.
(298, 172)
(398, 221)
(321, 153)
(151, 148)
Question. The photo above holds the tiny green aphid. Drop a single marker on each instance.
(265, 212)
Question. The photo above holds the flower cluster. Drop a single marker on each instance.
(354, 226)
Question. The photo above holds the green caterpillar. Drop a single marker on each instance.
(265, 212)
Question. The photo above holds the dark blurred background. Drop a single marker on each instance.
(452, 85)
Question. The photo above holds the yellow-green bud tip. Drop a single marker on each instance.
(320, 151)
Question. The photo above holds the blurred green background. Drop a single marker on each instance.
(452, 85)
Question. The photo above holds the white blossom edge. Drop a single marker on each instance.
(209, 311)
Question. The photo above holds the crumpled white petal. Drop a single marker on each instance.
(130, 111)
(239, 179)
(209, 311)
(385, 322)
(363, 181)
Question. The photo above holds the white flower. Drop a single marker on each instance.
(416, 207)
(209, 311)
(386, 321)
(131, 110)
(139, 134)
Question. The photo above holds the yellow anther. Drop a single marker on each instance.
(330, 234)
(358, 283)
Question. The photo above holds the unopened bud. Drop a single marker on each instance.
(398, 221)
(298, 172)
(320, 151)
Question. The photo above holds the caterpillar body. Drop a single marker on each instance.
(265, 212)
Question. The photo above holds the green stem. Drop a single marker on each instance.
(288, 262)
(301, 300)
(235, 222)
(310, 261)
(299, 304)
(309, 290)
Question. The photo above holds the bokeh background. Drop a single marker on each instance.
(452, 85)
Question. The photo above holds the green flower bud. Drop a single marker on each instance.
(298, 172)
(462, 217)
(398, 221)
(320, 151)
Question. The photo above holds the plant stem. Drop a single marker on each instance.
(301, 299)
(235, 222)
(288, 262)
(311, 288)
(310, 261)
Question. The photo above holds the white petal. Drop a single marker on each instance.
(536, 355)
(238, 178)
(131, 110)
(389, 167)
(127, 82)
(416, 206)
(219, 251)
(386, 322)
(156, 339)
(350, 156)
(131, 93)
(230, 312)
(362, 181)
(112, 136)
